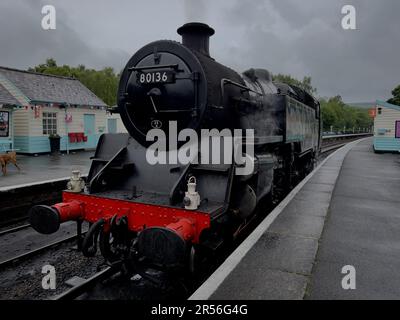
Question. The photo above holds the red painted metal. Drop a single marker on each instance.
(188, 223)
(70, 210)
(184, 227)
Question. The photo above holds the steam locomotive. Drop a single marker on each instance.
(167, 215)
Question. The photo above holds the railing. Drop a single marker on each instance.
(345, 136)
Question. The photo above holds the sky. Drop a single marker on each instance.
(296, 37)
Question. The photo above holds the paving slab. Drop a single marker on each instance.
(276, 261)
(45, 167)
(273, 284)
(362, 229)
(299, 225)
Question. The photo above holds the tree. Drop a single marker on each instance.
(103, 83)
(304, 84)
(396, 96)
(337, 115)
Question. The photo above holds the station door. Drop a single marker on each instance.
(112, 125)
(90, 132)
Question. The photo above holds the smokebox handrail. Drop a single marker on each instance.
(159, 66)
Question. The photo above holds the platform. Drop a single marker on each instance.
(347, 212)
(44, 168)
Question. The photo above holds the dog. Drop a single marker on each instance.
(6, 158)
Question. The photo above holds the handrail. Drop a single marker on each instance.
(346, 135)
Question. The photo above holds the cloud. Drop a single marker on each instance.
(302, 38)
(306, 38)
(24, 43)
(195, 10)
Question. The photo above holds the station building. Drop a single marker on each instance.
(386, 127)
(34, 106)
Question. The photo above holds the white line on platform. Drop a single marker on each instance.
(30, 184)
(205, 291)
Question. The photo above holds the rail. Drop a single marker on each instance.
(333, 142)
(14, 229)
(87, 284)
(29, 254)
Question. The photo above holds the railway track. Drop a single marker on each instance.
(86, 285)
(14, 229)
(332, 147)
(29, 254)
(331, 143)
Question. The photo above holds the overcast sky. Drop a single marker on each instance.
(297, 37)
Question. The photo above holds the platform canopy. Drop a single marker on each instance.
(385, 104)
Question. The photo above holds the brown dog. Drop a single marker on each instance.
(6, 158)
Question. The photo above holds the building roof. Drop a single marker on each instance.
(43, 88)
(387, 105)
(6, 97)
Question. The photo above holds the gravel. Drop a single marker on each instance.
(24, 280)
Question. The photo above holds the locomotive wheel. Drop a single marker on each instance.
(107, 250)
(310, 166)
(201, 261)
(193, 261)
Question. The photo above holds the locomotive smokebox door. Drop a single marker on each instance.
(173, 89)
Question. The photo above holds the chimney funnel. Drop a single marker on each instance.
(196, 36)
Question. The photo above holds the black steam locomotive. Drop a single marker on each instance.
(164, 215)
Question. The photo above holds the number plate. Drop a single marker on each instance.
(156, 77)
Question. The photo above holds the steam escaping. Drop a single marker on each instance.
(195, 10)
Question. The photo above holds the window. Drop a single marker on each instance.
(397, 133)
(49, 123)
(4, 123)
